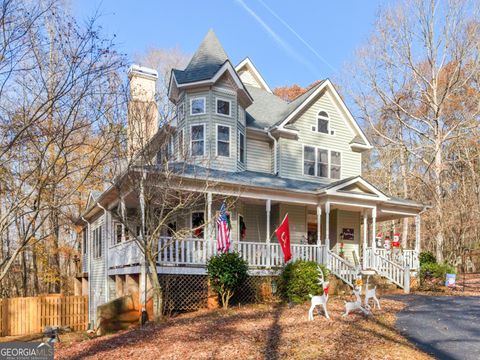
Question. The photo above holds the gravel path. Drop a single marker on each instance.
(447, 327)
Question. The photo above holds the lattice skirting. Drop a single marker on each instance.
(184, 292)
(190, 292)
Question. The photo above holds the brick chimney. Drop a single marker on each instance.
(142, 107)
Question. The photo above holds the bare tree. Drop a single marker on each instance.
(411, 86)
(59, 91)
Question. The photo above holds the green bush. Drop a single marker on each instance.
(426, 257)
(434, 270)
(226, 273)
(299, 279)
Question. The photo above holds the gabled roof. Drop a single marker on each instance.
(205, 63)
(248, 65)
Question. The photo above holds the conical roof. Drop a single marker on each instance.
(207, 60)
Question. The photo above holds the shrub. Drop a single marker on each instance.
(426, 257)
(226, 273)
(299, 279)
(434, 270)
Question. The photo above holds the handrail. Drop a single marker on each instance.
(341, 268)
(394, 272)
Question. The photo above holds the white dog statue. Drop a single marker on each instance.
(371, 294)
(320, 299)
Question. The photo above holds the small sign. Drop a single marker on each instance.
(450, 280)
(26, 350)
(348, 234)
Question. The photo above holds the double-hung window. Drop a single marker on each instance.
(181, 111)
(223, 140)
(321, 162)
(223, 107)
(198, 140)
(97, 242)
(180, 145)
(197, 106)
(309, 160)
(241, 147)
(335, 164)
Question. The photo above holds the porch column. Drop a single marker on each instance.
(374, 228)
(210, 244)
(327, 225)
(417, 233)
(365, 238)
(319, 234)
(319, 225)
(268, 207)
(374, 234)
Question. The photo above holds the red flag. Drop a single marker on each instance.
(283, 235)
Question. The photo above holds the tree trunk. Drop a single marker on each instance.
(439, 236)
(403, 169)
(157, 291)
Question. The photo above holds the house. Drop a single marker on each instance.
(302, 157)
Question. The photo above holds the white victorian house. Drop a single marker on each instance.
(302, 157)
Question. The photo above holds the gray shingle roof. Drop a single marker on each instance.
(205, 63)
(246, 178)
(268, 109)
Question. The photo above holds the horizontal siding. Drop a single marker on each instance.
(256, 222)
(297, 219)
(259, 156)
(291, 164)
(347, 219)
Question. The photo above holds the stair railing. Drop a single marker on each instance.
(341, 268)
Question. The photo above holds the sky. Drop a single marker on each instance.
(295, 41)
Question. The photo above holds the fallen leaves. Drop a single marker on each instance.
(256, 332)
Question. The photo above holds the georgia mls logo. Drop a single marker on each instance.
(26, 350)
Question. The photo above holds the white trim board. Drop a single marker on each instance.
(256, 74)
(329, 85)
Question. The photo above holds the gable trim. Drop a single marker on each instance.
(327, 84)
(227, 66)
(248, 63)
(337, 189)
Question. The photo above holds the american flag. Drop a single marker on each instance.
(223, 226)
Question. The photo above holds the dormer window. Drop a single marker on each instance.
(197, 106)
(223, 107)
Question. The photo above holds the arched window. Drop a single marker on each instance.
(323, 122)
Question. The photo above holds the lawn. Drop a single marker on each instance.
(255, 332)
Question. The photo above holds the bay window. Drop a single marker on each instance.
(223, 140)
(197, 146)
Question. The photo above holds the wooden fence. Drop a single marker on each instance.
(30, 315)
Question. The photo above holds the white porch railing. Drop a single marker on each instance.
(342, 268)
(196, 252)
(394, 272)
(403, 258)
(125, 254)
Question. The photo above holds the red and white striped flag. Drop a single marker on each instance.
(223, 226)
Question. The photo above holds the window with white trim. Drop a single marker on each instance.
(335, 164)
(180, 145)
(223, 107)
(118, 234)
(309, 160)
(181, 111)
(223, 140)
(323, 122)
(197, 106)
(197, 146)
(97, 242)
(241, 147)
(322, 162)
(198, 224)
